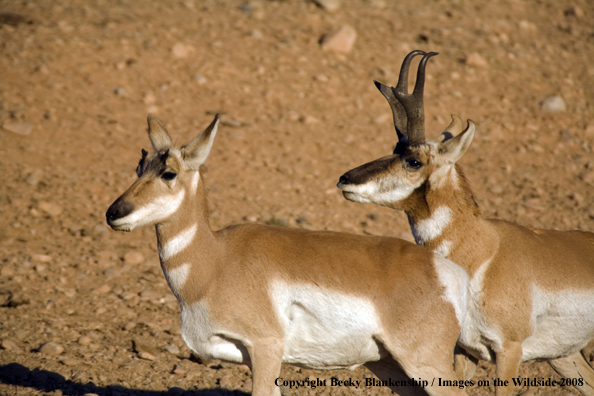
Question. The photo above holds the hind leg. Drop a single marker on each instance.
(575, 366)
(464, 364)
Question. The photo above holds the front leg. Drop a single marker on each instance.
(508, 361)
(266, 357)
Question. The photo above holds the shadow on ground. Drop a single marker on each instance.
(47, 381)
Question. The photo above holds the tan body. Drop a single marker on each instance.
(531, 293)
(264, 295)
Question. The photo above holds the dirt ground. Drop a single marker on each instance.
(78, 78)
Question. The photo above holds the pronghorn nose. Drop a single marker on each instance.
(118, 209)
(344, 179)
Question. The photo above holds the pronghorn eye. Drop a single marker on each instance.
(168, 176)
(413, 163)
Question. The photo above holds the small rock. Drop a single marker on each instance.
(41, 258)
(9, 345)
(174, 330)
(104, 289)
(553, 104)
(146, 356)
(129, 326)
(34, 177)
(84, 340)
(309, 120)
(139, 348)
(20, 334)
(50, 208)
(18, 127)
(178, 370)
(121, 91)
(574, 11)
(181, 50)
(6, 272)
(70, 362)
(340, 40)
(172, 348)
(527, 26)
(133, 258)
(51, 348)
(328, 5)
(475, 60)
(149, 98)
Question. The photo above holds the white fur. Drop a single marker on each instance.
(178, 243)
(195, 181)
(207, 339)
(455, 282)
(478, 335)
(381, 192)
(151, 213)
(443, 175)
(444, 248)
(176, 277)
(428, 229)
(325, 328)
(562, 322)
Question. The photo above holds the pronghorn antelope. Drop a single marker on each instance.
(531, 291)
(264, 295)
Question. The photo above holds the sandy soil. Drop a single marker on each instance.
(77, 79)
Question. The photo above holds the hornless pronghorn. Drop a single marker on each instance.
(265, 295)
(531, 291)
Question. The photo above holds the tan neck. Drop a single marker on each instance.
(449, 222)
(186, 239)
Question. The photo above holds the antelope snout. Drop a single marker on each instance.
(119, 209)
(344, 179)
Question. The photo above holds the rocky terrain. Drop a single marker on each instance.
(85, 310)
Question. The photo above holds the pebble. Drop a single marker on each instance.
(200, 79)
(6, 272)
(9, 345)
(150, 98)
(589, 130)
(340, 40)
(70, 362)
(34, 177)
(50, 208)
(84, 340)
(18, 127)
(476, 60)
(553, 104)
(133, 258)
(51, 348)
(172, 348)
(178, 370)
(129, 326)
(328, 5)
(181, 50)
(104, 289)
(174, 330)
(146, 356)
(41, 258)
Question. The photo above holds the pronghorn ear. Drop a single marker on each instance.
(158, 134)
(195, 153)
(453, 149)
(452, 130)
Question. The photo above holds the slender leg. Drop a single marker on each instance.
(575, 366)
(508, 364)
(464, 364)
(266, 357)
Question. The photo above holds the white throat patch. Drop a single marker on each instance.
(178, 243)
(429, 229)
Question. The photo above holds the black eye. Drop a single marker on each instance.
(168, 176)
(413, 163)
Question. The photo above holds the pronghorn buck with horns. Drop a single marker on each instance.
(264, 295)
(531, 290)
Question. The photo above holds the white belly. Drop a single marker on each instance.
(323, 329)
(562, 322)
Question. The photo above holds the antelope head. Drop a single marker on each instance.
(166, 178)
(416, 165)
